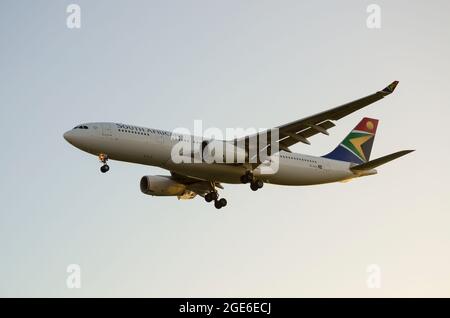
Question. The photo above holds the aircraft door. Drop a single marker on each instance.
(157, 138)
(160, 139)
(106, 130)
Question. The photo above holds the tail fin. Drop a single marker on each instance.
(357, 146)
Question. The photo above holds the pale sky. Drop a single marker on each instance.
(246, 63)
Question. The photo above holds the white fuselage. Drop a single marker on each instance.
(154, 148)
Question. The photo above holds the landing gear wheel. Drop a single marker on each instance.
(104, 168)
(220, 203)
(103, 159)
(223, 202)
(247, 177)
(259, 183)
(211, 196)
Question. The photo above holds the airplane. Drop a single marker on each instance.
(153, 147)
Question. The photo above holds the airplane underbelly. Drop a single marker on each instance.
(128, 150)
(225, 173)
(294, 174)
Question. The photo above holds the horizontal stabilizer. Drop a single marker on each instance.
(380, 161)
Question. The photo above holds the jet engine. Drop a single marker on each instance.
(161, 186)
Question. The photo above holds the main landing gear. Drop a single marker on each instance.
(220, 203)
(214, 196)
(254, 183)
(211, 196)
(103, 158)
(247, 177)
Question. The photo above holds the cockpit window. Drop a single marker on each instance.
(81, 127)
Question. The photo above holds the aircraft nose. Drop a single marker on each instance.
(69, 136)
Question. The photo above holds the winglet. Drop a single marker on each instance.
(390, 88)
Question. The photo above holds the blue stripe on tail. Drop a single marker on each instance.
(343, 154)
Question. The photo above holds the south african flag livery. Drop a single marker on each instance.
(356, 147)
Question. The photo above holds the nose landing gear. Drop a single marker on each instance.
(103, 158)
(104, 168)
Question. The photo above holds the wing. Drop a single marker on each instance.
(300, 130)
(198, 186)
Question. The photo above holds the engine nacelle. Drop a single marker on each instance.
(161, 186)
